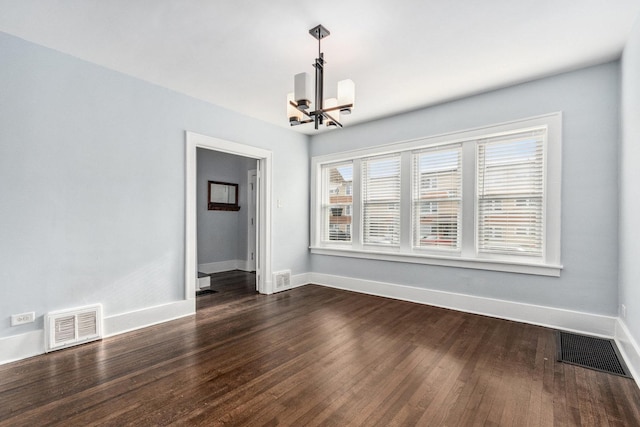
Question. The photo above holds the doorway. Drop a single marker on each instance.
(226, 219)
(262, 220)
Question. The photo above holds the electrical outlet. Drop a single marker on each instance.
(623, 311)
(19, 319)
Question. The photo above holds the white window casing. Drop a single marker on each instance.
(485, 198)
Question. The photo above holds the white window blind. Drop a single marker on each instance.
(381, 200)
(510, 194)
(437, 191)
(338, 200)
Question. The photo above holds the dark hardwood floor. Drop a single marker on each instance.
(315, 356)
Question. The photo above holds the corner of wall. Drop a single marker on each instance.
(629, 349)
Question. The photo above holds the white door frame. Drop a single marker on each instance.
(264, 157)
(252, 238)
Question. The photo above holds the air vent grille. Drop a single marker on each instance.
(87, 324)
(72, 327)
(282, 279)
(65, 329)
(591, 352)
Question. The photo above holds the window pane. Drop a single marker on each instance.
(510, 194)
(337, 207)
(437, 189)
(381, 200)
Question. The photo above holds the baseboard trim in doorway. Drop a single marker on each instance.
(220, 266)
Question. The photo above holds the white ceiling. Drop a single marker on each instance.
(402, 54)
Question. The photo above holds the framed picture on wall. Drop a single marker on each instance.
(223, 196)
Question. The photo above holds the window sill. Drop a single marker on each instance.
(446, 261)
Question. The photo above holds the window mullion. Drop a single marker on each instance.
(405, 201)
(356, 213)
(468, 220)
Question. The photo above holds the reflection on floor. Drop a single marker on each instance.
(228, 286)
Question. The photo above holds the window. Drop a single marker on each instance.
(510, 194)
(487, 198)
(336, 207)
(381, 200)
(437, 181)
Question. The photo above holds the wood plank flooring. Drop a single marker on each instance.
(315, 356)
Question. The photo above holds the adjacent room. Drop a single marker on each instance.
(338, 213)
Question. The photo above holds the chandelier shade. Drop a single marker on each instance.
(346, 95)
(303, 92)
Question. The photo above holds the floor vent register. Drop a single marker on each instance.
(590, 352)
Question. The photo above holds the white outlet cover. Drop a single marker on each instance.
(19, 319)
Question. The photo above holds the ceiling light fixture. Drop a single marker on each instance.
(299, 105)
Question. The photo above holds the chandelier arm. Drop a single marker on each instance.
(302, 111)
(337, 107)
(303, 122)
(328, 117)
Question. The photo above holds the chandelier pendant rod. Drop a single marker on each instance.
(319, 65)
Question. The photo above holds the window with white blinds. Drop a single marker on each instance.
(486, 198)
(510, 179)
(337, 203)
(381, 200)
(437, 191)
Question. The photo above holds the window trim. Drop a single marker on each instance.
(549, 265)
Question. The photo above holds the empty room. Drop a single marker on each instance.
(331, 213)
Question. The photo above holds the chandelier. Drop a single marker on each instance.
(301, 110)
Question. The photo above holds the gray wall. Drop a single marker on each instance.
(630, 184)
(92, 185)
(589, 100)
(222, 235)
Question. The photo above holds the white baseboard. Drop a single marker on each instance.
(221, 266)
(17, 347)
(247, 266)
(629, 349)
(300, 279)
(126, 322)
(568, 320)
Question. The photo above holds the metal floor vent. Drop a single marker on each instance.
(591, 352)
